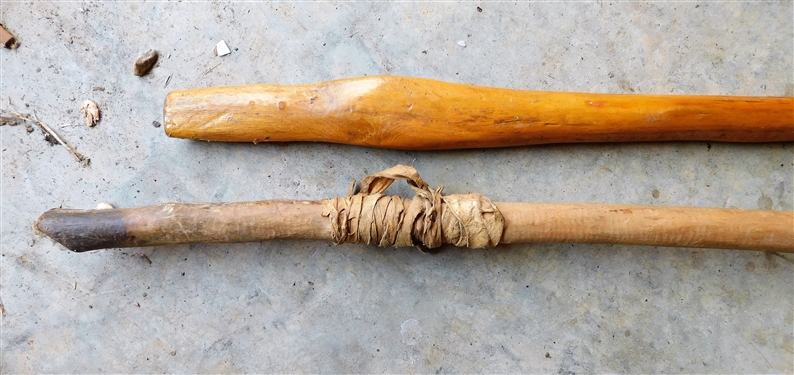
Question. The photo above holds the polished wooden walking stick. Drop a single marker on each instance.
(424, 114)
(427, 221)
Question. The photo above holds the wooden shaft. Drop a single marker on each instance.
(177, 223)
(717, 228)
(173, 223)
(423, 114)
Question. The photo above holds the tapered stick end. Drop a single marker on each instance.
(84, 230)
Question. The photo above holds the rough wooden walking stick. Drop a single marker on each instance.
(427, 220)
(423, 114)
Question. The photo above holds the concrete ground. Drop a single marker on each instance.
(308, 306)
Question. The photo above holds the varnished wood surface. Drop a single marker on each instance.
(423, 114)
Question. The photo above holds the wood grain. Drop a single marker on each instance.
(717, 228)
(179, 223)
(174, 223)
(423, 114)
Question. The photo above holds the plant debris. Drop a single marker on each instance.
(99, 88)
(84, 161)
(211, 69)
(10, 121)
(14, 121)
(90, 111)
(50, 139)
(7, 39)
(145, 62)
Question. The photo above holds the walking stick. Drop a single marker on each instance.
(423, 114)
(427, 221)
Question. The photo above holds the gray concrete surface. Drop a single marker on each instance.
(304, 306)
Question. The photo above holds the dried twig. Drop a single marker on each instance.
(211, 69)
(84, 161)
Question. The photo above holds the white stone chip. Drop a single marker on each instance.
(222, 49)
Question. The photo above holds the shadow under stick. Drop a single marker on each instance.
(427, 221)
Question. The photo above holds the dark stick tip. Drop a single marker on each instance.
(84, 230)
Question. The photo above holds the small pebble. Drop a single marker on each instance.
(156, 124)
(69, 40)
(462, 43)
(104, 206)
(145, 62)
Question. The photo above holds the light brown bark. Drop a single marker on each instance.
(178, 223)
(648, 225)
(173, 223)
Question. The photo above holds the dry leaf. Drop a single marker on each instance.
(91, 112)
